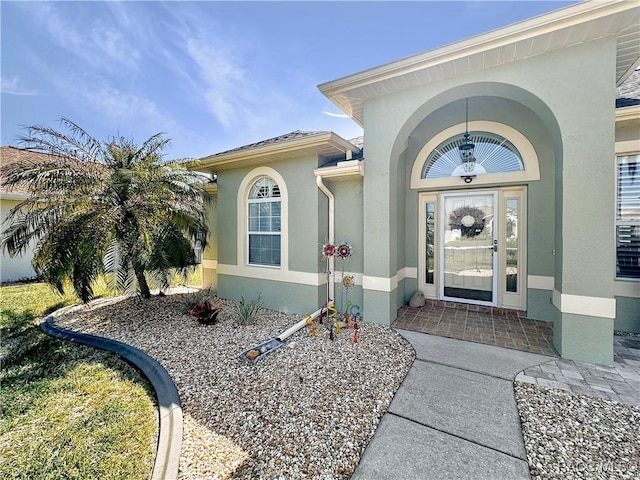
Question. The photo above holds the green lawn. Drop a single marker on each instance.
(66, 410)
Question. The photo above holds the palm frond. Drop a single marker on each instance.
(79, 146)
(73, 251)
(105, 207)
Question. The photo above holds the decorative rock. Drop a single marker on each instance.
(253, 354)
(573, 436)
(302, 413)
(417, 300)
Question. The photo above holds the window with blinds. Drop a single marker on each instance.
(264, 221)
(628, 217)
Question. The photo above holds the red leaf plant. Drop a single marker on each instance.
(205, 312)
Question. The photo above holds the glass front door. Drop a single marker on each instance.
(468, 247)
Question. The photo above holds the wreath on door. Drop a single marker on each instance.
(469, 220)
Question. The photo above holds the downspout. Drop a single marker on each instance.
(332, 214)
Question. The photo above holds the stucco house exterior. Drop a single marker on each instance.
(542, 216)
(18, 267)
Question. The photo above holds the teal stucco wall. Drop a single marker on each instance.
(569, 121)
(297, 286)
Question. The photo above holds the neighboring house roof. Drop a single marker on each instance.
(629, 91)
(573, 25)
(287, 146)
(10, 156)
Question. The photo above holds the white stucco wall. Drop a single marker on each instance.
(12, 269)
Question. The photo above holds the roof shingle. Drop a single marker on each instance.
(275, 140)
(629, 91)
(12, 155)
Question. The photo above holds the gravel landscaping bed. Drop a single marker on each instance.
(570, 436)
(305, 411)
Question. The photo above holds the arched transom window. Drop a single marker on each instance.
(264, 222)
(493, 154)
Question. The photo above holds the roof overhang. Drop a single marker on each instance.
(562, 28)
(326, 144)
(342, 171)
(628, 114)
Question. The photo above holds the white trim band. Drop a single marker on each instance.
(582, 305)
(211, 264)
(273, 274)
(540, 282)
(407, 272)
(626, 288)
(383, 284)
(380, 284)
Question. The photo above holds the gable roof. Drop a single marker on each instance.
(568, 26)
(287, 146)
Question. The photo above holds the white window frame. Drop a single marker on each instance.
(512, 300)
(522, 144)
(623, 149)
(243, 219)
(271, 200)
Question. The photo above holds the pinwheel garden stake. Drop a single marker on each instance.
(328, 251)
(343, 252)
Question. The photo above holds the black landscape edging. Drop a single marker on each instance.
(167, 459)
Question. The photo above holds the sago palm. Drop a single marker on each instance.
(98, 207)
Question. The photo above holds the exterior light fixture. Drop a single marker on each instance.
(466, 151)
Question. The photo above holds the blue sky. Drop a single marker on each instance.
(213, 75)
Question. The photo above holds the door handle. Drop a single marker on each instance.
(495, 245)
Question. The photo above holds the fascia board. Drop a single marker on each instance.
(343, 169)
(625, 114)
(563, 18)
(329, 139)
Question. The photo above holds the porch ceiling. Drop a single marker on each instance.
(562, 28)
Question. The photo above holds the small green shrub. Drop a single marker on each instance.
(246, 311)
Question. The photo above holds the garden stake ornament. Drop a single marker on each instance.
(332, 320)
(343, 252)
(312, 324)
(334, 325)
(328, 250)
(354, 318)
(356, 327)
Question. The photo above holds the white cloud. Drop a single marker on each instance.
(100, 98)
(85, 37)
(13, 86)
(226, 87)
(128, 108)
(336, 115)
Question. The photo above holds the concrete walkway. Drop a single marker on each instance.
(454, 416)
